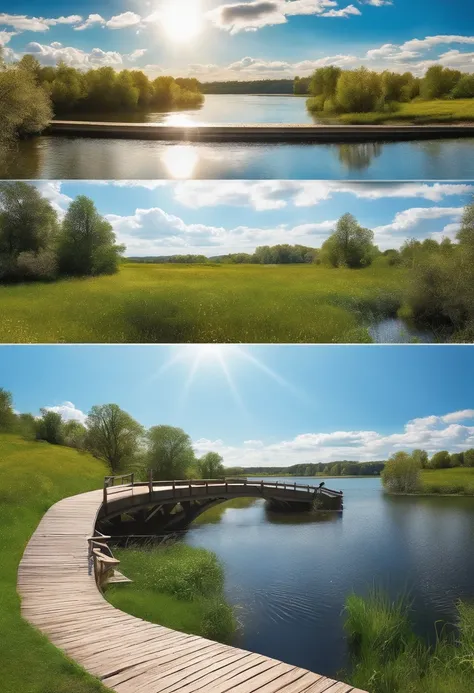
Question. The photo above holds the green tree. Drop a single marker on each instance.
(440, 460)
(358, 91)
(26, 426)
(50, 427)
(113, 436)
(7, 415)
(439, 82)
(170, 452)
(421, 457)
(349, 245)
(75, 435)
(469, 457)
(456, 459)
(25, 107)
(87, 241)
(401, 473)
(211, 466)
(28, 229)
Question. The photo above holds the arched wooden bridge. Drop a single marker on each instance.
(59, 580)
(159, 506)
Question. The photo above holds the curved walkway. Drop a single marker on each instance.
(128, 654)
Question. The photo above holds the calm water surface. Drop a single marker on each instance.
(289, 575)
(82, 158)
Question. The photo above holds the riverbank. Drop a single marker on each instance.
(455, 481)
(458, 112)
(176, 586)
(205, 303)
(34, 476)
(389, 658)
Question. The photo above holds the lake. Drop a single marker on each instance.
(289, 575)
(60, 157)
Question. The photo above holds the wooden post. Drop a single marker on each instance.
(133, 478)
(226, 486)
(104, 498)
(207, 488)
(295, 485)
(190, 489)
(174, 487)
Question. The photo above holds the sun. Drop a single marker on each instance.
(181, 20)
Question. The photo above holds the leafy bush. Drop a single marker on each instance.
(401, 473)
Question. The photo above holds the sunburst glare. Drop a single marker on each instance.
(181, 20)
(180, 160)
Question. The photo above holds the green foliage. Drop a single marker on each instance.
(387, 657)
(87, 241)
(170, 452)
(104, 89)
(440, 460)
(178, 586)
(448, 481)
(210, 466)
(33, 476)
(421, 458)
(254, 86)
(469, 458)
(369, 96)
(7, 415)
(401, 473)
(349, 245)
(25, 107)
(28, 231)
(50, 428)
(301, 85)
(113, 436)
(74, 435)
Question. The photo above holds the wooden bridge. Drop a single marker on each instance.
(154, 507)
(60, 576)
(260, 132)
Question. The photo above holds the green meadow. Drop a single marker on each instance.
(204, 303)
(34, 476)
(453, 481)
(418, 111)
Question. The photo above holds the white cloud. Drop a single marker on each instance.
(376, 3)
(430, 41)
(263, 195)
(343, 12)
(69, 412)
(431, 433)
(75, 57)
(124, 20)
(139, 53)
(251, 16)
(51, 190)
(92, 20)
(25, 23)
(407, 219)
(5, 37)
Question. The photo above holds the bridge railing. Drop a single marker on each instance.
(128, 480)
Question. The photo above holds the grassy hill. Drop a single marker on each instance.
(204, 303)
(33, 476)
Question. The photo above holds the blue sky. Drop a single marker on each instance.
(217, 217)
(276, 404)
(241, 39)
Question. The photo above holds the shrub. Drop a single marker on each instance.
(41, 265)
(401, 473)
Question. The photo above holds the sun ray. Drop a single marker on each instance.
(182, 20)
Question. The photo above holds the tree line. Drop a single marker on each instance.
(256, 86)
(401, 473)
(342, 468)
(112, 435)
(31, 94)
(36, 245)
(334, 90)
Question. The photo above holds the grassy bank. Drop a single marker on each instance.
(455, 481)
(204, 303)
(436, 111)
(33, 476)
(389, 658)
(177, 586)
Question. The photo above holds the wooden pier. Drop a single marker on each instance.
(259, 132)
(60, 591)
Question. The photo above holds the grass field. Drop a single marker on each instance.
(206, 303)
(436, 111)
(389, 658)
(33, 476)
(458, 480)
(177, 586)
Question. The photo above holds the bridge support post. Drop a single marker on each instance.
(150, 482)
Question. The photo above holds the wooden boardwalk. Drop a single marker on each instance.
(130, 655)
